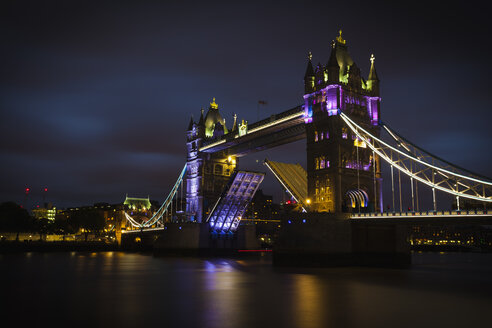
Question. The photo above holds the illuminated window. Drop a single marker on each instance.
(322, 135)
(316, 163)
(322, 162)
(327, 164)
(327, 135)
(315, 136)
(344, 133)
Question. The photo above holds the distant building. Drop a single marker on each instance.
(47, 212)
(112, 213)
(456, 236)
(137, 204)
(262, 207)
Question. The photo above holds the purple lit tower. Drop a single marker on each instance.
(343, 174)
(206, 174)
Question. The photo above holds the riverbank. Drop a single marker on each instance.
(55, 246)
(103, 246)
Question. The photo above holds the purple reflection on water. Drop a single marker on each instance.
(125, 289)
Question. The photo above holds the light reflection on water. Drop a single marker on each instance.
(128, 290)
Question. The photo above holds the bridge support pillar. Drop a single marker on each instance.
(196, 239)
(325, 240)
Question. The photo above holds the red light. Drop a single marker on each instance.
(288, 202)
(45, 189)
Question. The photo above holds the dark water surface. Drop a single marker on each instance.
(115, 289)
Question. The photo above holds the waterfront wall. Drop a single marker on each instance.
(324, 239)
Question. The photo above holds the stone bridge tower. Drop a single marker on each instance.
(343, 174)
(206, 174)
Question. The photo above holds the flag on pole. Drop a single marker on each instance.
(262, 102)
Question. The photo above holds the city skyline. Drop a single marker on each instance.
(96, 100)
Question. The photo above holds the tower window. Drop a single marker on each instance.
(315, 136)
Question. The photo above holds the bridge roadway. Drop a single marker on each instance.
(429, 217)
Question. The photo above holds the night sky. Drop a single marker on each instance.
(96, 97)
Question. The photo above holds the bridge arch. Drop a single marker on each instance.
(354, 198)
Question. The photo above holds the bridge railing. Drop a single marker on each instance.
(424, 213)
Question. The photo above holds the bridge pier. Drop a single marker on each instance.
(196, 239)
(327, 240)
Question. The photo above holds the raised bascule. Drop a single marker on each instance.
(340, 119)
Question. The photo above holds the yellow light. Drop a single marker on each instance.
(359, 143)
(308, 201)
(229, 159)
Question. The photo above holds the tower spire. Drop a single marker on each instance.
(332, 66)
(372, 73)
(201, 121)
(309, 75)
(234, 125)
(373, 80)
(190, 126)
(213, 104)
(340, 39)
(309, 68)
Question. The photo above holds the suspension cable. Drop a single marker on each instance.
(355, 128)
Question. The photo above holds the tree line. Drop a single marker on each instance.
(15, 219)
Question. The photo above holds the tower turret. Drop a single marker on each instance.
(309, 76)
(319, 74)
(373, 80)
(190, 125)
(201, 122)
(332, 66)
(234, 125)
(213, 116)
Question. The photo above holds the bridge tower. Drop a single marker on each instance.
(206, 174)
(343, 173)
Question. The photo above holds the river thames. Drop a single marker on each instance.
(116, 289)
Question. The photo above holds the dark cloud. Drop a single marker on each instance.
(95, 97)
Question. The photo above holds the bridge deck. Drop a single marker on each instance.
(293, 177)
(236, 197)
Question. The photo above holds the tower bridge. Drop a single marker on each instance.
(340, 119)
